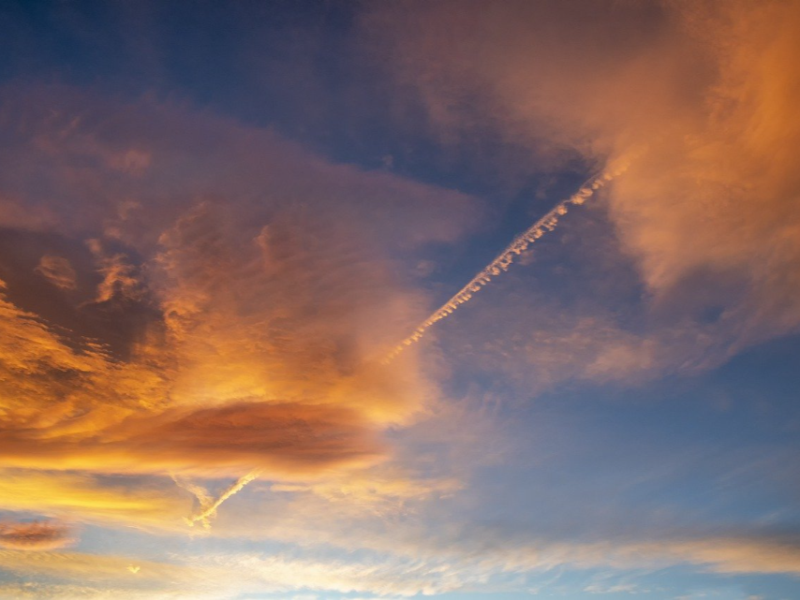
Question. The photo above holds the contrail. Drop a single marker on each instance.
(199, 492)
(210, 509)
(500, 264)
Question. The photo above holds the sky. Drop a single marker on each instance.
(388, 299)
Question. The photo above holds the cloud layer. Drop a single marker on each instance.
(194, 309)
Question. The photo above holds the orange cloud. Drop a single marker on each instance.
(41, 535)
(171, 308)
(58, 271)
(82, 497)
(173, 404)
(289, 439)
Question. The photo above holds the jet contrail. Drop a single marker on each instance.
(199, 492)
(547, 223)
(500, 264)
(210, 509)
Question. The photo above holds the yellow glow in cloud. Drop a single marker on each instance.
(81, 497)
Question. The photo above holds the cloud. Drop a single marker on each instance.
(286, 439)
(87, 498)
(382, 491)
(57, 270)
(182, 293)
(68, 403)
(721, 555)
(185, 294)
(450, 571)
(103, 571)
(66, 142)
(432, 564)
(208, 508)
(37, 535)
(539, 343)
(708, 88)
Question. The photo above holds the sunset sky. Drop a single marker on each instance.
(386, 299)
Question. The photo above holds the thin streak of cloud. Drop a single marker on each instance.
(504, 260)
(209, 511)
(86, 498)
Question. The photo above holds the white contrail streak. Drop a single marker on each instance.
(500, 264)
(199, 492)
(210, 510)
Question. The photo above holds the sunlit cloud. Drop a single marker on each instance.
(88, 498)
(223, 372)
(35, 535)
(706, 88)
(240, 321)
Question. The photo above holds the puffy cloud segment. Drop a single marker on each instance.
(180, 293)
(709, 89)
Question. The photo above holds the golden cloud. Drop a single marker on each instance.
(84, 497)
(181, 295)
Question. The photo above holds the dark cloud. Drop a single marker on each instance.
(286, 439)
(77, 290)
(37, 535)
